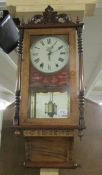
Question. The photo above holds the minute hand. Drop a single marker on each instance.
(57, 49)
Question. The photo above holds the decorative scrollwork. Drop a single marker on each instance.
(49, 16)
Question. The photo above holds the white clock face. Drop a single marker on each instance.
(49, 54)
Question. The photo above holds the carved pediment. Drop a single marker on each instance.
(49, 16)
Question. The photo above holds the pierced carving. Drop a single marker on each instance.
(49, 16)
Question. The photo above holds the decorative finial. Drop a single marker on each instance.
(77, 20)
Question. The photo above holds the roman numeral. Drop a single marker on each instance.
(35, 54)
(36, 47)
(36, 60)
(49, 40)
(42, 65)
(42, 43)
(60, 47)
(49, 67)
(61, 59)
(62, 53)
(57, 65)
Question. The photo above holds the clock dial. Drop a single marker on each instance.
(49, 54)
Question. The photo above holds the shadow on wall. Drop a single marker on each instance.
(88, 152)
(12, 149)
(1, 117)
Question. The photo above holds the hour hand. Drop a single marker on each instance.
(49, 56)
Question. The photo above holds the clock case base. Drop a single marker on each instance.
(49, 152)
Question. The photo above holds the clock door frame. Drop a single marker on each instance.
(72, 120)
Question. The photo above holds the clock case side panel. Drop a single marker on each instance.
(74, 112)
(24, 78)
(72, 121)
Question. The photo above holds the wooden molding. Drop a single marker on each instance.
(62, 5)
(46, 2)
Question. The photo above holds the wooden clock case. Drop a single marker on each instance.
(49, 142)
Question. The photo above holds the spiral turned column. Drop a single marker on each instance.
(18, 82)
(81, 80)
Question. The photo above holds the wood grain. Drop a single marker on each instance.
(49, 152)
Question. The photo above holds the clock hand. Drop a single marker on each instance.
(54, 51)
(50, 53)
(60, 47)
(50, 48)
(49, 56)
(53, 45)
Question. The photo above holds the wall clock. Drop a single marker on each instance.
(48, 112)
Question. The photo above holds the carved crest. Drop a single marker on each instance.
(49, 16)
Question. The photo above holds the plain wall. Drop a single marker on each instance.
(1, 117)
(88, 152)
